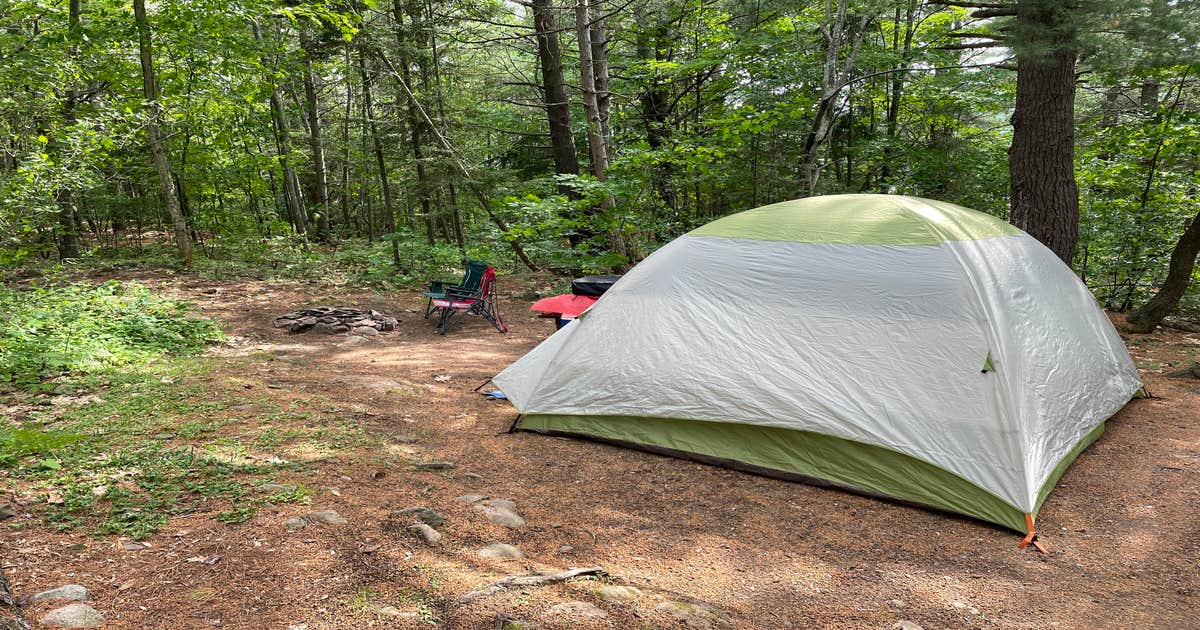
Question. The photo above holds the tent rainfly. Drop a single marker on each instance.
(889, 345)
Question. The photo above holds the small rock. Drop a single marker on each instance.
(365, 331)
(277, 488)
(905, 624)
(130, 545)
(350, 341)
(327, 517)
(296, 523)
(566, 549)
(434, 465)
(427, 534)
(396, 613)
(7, 511)
(430, 517)
(74, 616)
(475, 476)
(501, 551)
(163, 436)
(896, 604)
(577, 610)
(695, 615)
(501, 512)
(73, 592)
(619, 592)
(504, 622)
(471, 498)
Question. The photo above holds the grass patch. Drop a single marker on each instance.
(125, 428)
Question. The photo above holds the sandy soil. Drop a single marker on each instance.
(748, 552)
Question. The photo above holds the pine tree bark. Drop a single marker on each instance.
(1043, 192)
(154, 135)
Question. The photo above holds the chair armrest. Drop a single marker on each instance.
(458, 293)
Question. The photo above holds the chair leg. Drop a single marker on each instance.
(429, 308)
(444, 320)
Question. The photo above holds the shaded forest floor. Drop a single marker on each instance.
(702, 546)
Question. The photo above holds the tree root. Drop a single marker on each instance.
(531, 579)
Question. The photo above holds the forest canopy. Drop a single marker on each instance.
(581, 135)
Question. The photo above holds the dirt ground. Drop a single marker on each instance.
(704, 546)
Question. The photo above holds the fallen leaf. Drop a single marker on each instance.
(99, 490)
(442, 378)
(54, 498)
(209, 560)
(371, 548)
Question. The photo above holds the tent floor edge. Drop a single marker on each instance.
(793, 455)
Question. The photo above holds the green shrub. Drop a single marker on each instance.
(80, 329)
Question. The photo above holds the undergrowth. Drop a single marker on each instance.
(77, 329)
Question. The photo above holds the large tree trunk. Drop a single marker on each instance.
(554, 92)
(154, 135)
(320, 179)
(389, 212)
(1044, 195)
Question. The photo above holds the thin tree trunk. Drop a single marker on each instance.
(154, 135)
(416, 126)
(1179, 276)
(345, 185)
(587, 82)
(68, 241)
(656, 109)
(444, 128)
(897, 92)
(283, 143)
(389, 213)
(600, 79)
(838, 34)
(1043, 192)
(320, 175)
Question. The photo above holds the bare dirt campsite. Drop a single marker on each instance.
(383, 492)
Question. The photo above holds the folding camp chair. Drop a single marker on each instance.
(469, 283)
(481, 302)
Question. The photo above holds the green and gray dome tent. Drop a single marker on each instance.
(891, 345)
